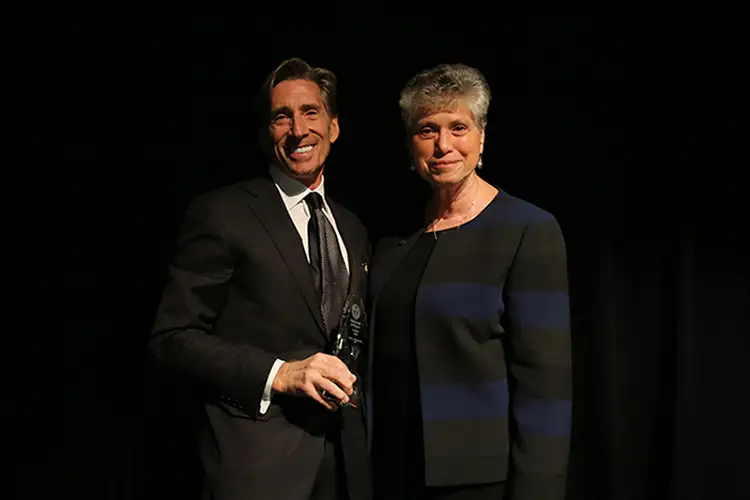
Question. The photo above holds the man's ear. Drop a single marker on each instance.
(334, 129)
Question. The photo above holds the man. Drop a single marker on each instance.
(255, 293)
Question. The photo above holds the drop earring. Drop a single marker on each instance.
(479, 163)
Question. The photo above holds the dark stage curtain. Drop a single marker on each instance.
(660, 362)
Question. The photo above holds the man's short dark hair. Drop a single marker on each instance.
(297, 69)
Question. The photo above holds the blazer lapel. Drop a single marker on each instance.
(265, 201)
(391, 257)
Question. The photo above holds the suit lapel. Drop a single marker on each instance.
(265, 202)
(347, 231)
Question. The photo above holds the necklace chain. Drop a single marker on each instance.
(463, 219)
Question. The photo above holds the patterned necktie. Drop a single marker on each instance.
(329, 270)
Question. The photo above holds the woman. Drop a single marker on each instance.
(470, 342)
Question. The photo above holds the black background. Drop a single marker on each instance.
(611, 123)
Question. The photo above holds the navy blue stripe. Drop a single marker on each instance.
(544, 417)
(464, 300)
(511, 212)
(465, 402)
(539, 309)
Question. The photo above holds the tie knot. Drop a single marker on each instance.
(314, 201)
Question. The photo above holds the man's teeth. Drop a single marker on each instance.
(303, 149)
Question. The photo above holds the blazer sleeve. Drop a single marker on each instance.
(196, 291)
(539, 363)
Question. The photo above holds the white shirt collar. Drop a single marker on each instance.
(293, 191)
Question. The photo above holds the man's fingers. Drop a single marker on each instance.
(339, 373)
(333, 389)
(342, 380)
(315, 393)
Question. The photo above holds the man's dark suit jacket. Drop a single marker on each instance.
(240, 295)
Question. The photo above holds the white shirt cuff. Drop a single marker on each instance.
(265, 401)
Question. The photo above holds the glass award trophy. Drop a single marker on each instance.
(347, 342)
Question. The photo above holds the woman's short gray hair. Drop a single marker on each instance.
(444, 88)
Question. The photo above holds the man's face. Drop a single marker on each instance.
(301, 130)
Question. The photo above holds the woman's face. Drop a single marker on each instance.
(445, 146)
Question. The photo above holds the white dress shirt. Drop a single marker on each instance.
(293, 195)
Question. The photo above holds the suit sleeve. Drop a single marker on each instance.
(538, 311)
(197, 289)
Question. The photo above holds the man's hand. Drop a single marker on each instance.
(310, 376)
